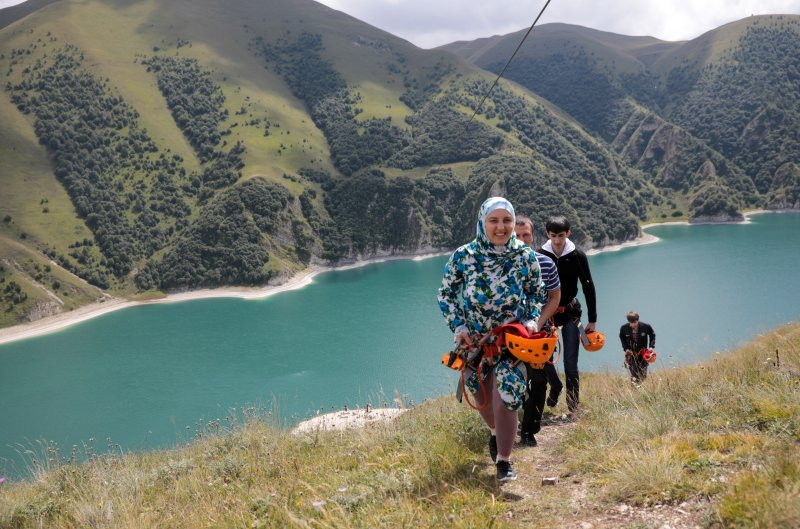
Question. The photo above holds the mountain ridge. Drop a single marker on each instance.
(157, 146)
(659, 90)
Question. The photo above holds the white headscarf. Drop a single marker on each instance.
(482, 242)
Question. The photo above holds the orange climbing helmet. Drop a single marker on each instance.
(649, 355)
(592, 340)
(534, 349)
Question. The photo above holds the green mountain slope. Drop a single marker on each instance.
(157, 145)
(714, 119)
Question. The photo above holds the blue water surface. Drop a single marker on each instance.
(152, 376)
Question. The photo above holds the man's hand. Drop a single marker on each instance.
(628, 357)
(591, 326)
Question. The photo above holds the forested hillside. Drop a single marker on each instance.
(713, 120)
(155, 146)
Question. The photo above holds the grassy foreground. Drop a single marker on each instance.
(724, 435)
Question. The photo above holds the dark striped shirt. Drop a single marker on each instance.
(549, 272)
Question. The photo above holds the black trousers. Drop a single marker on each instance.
(534, 404)
(553, 379)
(568, 321)
(637, 367)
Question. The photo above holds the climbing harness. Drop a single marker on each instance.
(472, 360)
(453, 360)
(536, 350)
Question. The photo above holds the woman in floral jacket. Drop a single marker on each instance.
(493, 280)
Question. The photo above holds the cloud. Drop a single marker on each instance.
(429, 23)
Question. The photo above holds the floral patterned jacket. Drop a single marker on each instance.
(484, 287)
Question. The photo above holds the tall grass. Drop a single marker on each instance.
(728, 429)
(725, 434)
(423, 469)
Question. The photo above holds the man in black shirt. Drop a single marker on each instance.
(636, 337)
(573, 266)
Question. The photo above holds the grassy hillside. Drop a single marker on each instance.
(710, 120)
(712, 445)
(30, 281)
(11, 14)
(158, 145)
(155, 146)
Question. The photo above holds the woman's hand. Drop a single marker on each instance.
(463, 340)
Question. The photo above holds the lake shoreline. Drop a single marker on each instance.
(110, 304)
(647, 238)
(299, 280)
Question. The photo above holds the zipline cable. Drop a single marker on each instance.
(508, 63)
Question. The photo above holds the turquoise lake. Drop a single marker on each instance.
(151, 376)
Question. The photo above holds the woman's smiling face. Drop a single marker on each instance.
(499, 225)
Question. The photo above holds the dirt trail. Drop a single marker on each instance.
(572, 499)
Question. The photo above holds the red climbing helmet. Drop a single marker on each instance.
(649, 355)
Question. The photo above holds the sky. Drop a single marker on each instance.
(431, 23)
